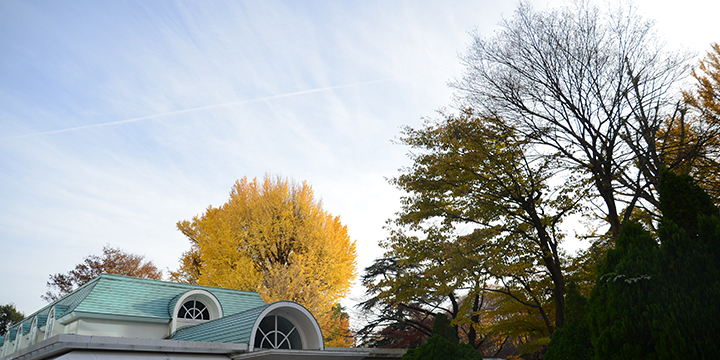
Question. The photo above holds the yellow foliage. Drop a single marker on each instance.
(274, 238)
(707, 94)
(696, 141)
(337, 333)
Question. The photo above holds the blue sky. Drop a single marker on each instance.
(120, 118)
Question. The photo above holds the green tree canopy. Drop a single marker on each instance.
(479, 210)
(440, 348)
(684, 307)
(8, 316)
(563, 111)
(442, 327)
(443, 344)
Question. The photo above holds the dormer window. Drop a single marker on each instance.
(286, 325)
(6, 345)
(18, 338)
(194, 310)
(50, 324)
(33, 331)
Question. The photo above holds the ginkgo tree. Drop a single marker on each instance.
(703, 129)
(273, 237)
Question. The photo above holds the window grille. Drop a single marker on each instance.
(194, 310)
(277, 332)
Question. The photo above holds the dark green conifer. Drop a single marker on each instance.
(572, 342)
(685, 311)
(443, 345)
(619, 316)
(442, 326)
(658, 300)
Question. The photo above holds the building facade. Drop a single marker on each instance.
(119, 317)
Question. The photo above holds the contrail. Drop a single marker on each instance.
(240, 102)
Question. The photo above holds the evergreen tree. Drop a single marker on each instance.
(572, 342)
(659, 301)
(619, 316)
(440, 348)
(443, 327)
(685, 311)
(443, 344)
(9, 315)
(682, 202)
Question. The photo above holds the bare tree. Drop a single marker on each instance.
(588, 87)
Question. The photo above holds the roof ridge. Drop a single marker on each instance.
(46, 309)
(171, 283)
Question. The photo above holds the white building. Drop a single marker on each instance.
(119, 317)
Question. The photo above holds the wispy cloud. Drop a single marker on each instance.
(213, 106)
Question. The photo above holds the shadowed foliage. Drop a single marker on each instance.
(8, 316)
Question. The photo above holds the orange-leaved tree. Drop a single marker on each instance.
(273, 237)
(112, 261)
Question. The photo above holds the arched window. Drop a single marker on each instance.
(277, 332)
(33, 331)
(286, 325)
(18, 337)
(194, 310)
(5, 345)
(50, 324)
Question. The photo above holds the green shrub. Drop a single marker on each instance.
(440, 348)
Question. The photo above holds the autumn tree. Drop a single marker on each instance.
(407, 320)
(574, 110)
(273, 237)
(706, 95)
(590, 89)
(479, 217)
(339, 334)
(696, 140)
(112, 261)
(9, 315)
(400, 332)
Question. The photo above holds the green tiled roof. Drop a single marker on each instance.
(62, 305)
(11, 334)
(125, 296)
(117, 295)
(235, 328)
(26, 326)
(42, 320)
